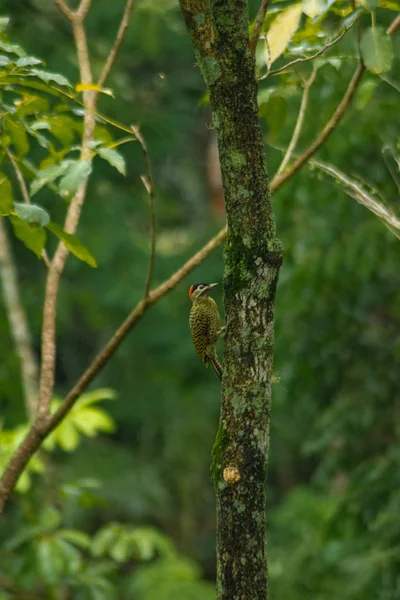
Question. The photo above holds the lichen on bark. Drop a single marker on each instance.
(252, 259)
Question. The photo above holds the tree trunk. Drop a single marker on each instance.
(253, 255)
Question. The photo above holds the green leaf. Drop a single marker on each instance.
(67, 435)
(274, 111)
(4, 21)
(12, 48)
(104, 539)
(32, 213)
(6, 195)
(4, 60)
(32, 235)
(376, 50)
(73, 244)
(47, 77)
(26, 61)
(19, 137)
(75, 175)
(79, 538)
(365, 92)
(114, 158)
(64, 128)
(281, 31)
(46, 176)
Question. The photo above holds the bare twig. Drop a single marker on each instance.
(118, 40)
(307, 58)
(394, 26)
(262, 11)
(35, 436)
(82, 11)
(353, 189)
(19, 176)
(18, 323)
(64, 8)
(280, 179)
(149, 185)
(299, 123)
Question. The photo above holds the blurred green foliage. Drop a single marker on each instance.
(120, 503)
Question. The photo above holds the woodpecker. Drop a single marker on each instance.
(205, 324)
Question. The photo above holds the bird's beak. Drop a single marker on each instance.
(212, 285)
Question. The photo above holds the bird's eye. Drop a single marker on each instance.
(201, 287)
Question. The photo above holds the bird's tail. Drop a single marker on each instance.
(216, 365)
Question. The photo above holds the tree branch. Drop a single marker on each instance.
(258, 25)
(19, 176)
(36, 434)
(57, 264)
(299, 123)
(18, 323)
(118, 40)
(279, 179)
(307, 58)
(149, 185)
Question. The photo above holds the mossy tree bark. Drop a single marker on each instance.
(253, 255)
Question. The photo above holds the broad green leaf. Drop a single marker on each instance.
(91, 421)
(377, 50)
(89, 398)
(26, 61)
(73, 244)
(6, 195)
(67, 435)
(11, 48)
(19, 137)
(281, 31)
(104, 539)
(46, 176)
(79, 538)
(31, 234)
(4, 60)
(75, 175)
(47, 77)
(49, 560)
(31, 104)
(114, 158)
(32, 213)
(64, 128)
(365, 92)
(4, 21)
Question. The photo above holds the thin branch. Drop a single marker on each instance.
(394, 26)
(149, 185)
(307, 58)
(24, 193)
(356, 191)
(48, 348)
(19, 176)
(118, 40)
(280, 179)
(64, 8)
(82, 11)
(258, 25)
(299, 123)
(18, 321)
(36, 434)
